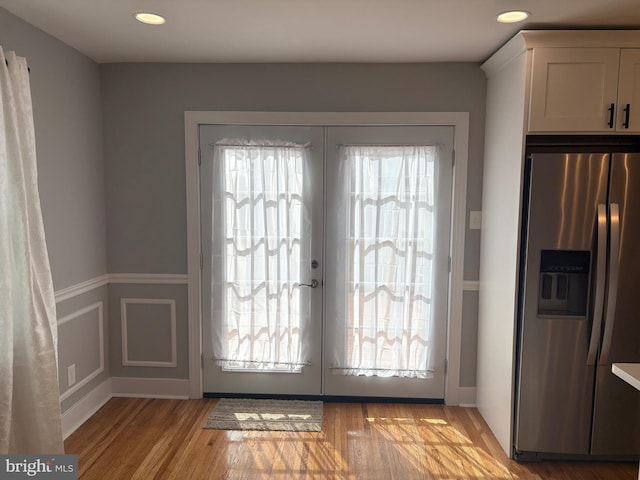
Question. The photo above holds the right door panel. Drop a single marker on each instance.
(388, 212)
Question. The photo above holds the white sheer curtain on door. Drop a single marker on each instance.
(30, 420)
(261, 241)
(384, 291)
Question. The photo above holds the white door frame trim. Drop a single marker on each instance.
(460, 122)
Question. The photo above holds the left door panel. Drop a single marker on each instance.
(261, 200)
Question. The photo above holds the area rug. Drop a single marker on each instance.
(266, 414)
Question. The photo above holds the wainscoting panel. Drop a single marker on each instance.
(148, 329)
(83, 342)
(85, 357)
(469, 340)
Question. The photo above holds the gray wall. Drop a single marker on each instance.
(65, 89)
(144, 107)
(67, 109)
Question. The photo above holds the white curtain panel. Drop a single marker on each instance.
(30, 420)
(384, 291)
(261, 236)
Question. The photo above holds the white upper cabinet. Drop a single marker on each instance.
(628, 118)
(585, 90)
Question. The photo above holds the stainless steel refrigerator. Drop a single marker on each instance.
(579, 304)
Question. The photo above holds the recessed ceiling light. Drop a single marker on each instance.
(149, 18)
(513, 16)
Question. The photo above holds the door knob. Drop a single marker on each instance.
(313, 284)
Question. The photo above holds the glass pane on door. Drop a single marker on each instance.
(263, 241)
(389, 260)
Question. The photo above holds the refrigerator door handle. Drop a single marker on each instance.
(601, 266)
(612, 295)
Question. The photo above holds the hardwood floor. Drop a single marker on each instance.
(148, 439)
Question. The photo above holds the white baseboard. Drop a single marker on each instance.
(150, 387)
(84, 408)
(467, 396)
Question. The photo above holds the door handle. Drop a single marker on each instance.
(314, 284)
(601, 266)
(614, 267)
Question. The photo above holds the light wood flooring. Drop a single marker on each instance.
(163, 439)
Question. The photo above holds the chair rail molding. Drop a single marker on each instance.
(148, 278)
(80, 288)
(120, 278)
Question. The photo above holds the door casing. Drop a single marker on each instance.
(460, 122)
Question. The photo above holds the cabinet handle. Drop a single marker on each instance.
(626, 111)
(612, 109)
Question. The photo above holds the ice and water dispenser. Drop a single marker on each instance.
(564, 282)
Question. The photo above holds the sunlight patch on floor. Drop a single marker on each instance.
(434, 445)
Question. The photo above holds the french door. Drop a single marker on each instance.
(325, 259)
(389, 204)
(262, 232)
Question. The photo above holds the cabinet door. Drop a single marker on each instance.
(572, 89)
(629, 91)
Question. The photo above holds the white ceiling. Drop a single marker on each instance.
(307, 30)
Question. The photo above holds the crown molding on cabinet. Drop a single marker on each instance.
(528, 39)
